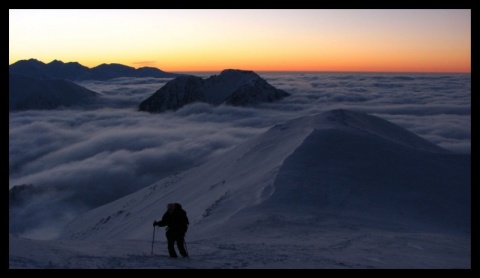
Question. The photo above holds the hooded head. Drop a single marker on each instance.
(171, 208)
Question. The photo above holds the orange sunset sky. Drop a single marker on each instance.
(260, 40)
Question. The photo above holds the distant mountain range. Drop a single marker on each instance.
(74, 71)
(232, 87)
(26, 93)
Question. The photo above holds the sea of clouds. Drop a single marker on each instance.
(66, 161)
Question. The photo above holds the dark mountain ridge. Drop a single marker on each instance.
(74, 71)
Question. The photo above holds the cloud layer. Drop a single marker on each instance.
(75, 160)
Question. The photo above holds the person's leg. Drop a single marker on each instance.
(181, 246)
(171, 245)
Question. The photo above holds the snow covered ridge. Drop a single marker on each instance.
(335, 171)
(232, 87)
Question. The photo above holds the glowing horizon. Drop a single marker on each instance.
(259, 40)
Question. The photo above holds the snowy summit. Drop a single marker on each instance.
(232, 87)
(341, 167)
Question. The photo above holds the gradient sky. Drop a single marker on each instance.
(260, 40)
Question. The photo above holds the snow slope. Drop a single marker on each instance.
(339, 168)
(340, 189)
(327, 249)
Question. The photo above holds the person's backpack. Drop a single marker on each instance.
(183, 213)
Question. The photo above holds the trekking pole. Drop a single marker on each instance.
(153, 239)
(186, 250)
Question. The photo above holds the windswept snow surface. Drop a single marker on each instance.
(340, 189)
(327, 249)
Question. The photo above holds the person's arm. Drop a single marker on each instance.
(163, 222)
(160, 223)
